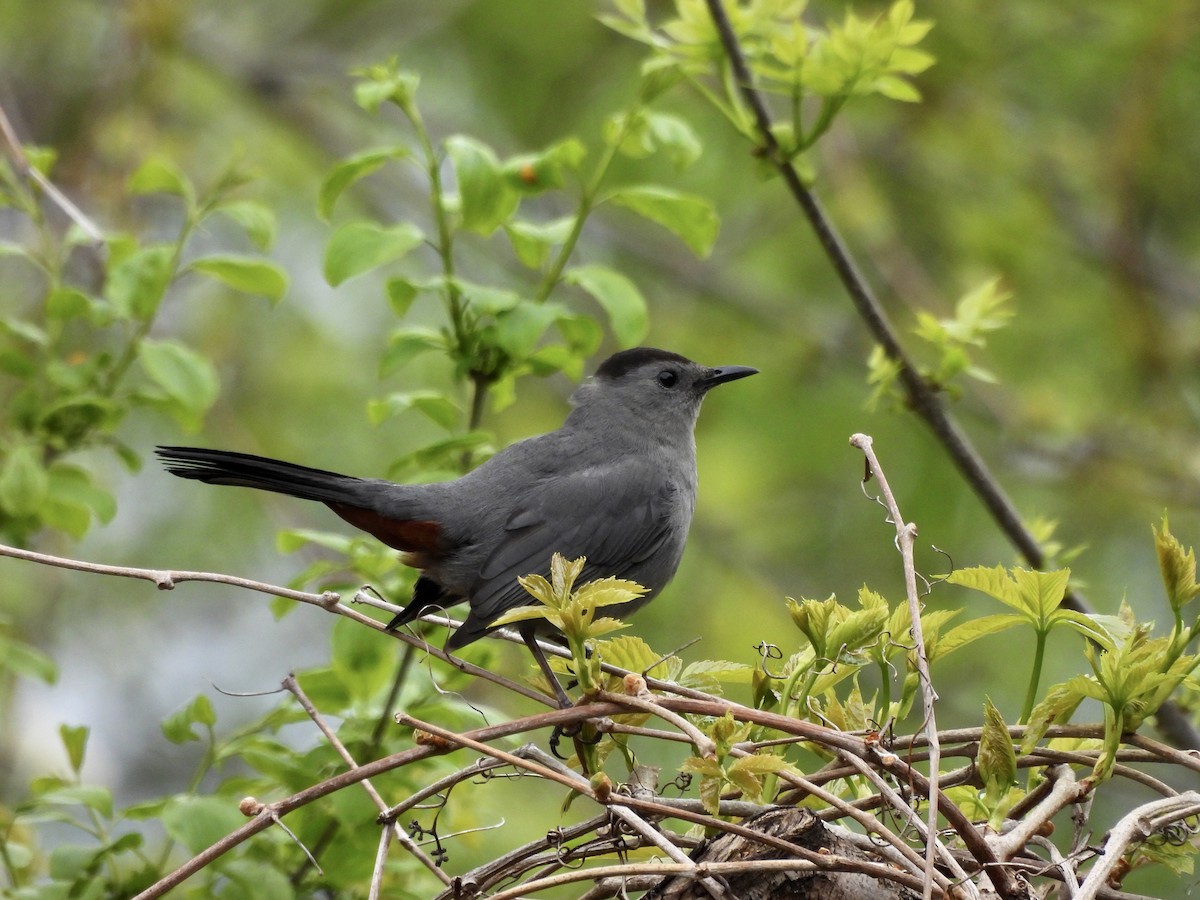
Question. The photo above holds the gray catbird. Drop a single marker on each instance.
(616, 483)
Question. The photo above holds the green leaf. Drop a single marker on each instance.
(293, 539)
(439, 454)
(1037, 595)
(690, 217)
(484, 299)
(177, 727)
(251, 880)
(895, 88)
(136, 284)
(202, 711)
(95, 798)
(246, 274)
(620, 298)
(534, 173)
(74, 739)
(386, 83)
(350, 170)
(759, 764)
(26, 660)
(24, 483)
(532, 242)
(182, 373)
(407, 344)
(325, 688)
(961, 635)
(486, 200)
(73, 861)
(437, 407)
(712, 671)
(997, 760)
(583, 335)
(1056, 708)
(257, 221)
(73, 484)
(522, 614)
(1178, 567)
(361, 658)
(157, 176)
(199, 822)
(68, 303)
(401, 293)
(519, 329)
(675, 136)
(25, 330)
(359, 247)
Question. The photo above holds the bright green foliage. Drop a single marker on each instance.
(835, 631)
(787, 57)
(103, 857)
(743, 772)
(985, 309)
(1132, 673)
(1179, 856)
(1178, 569)
(1037, 597)
(573, 611)
(494, 333)
(997, 764)
(76, 357)
(359, 247)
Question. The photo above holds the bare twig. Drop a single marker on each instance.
(385, 836)
(871, 825)
(906, 533)
(928, 834)
(1136, 825)
(1065, 791)
(17, 152)
(291, 685)
(270, 812)
(330, 601)
(702, 744)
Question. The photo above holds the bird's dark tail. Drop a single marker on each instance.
(245, 470)
(393, 513)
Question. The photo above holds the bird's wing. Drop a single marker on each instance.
(611, 514)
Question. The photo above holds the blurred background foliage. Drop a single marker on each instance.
(1054, 148)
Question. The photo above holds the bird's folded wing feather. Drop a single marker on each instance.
(610, 514)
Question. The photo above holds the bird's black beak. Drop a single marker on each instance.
(723, 374)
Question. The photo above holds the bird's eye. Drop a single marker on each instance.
(668, 378)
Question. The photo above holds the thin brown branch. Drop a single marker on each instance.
(823, 861)
(265, 817)
(701, 743)
(330, 601)
(906, 533)
(17, 153)
(928, 830)
(1135, 826)
(871, 825)
(292, 685)
(1065, 791)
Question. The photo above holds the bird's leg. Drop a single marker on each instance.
(530, 639)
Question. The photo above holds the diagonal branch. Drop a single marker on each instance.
(61, 200)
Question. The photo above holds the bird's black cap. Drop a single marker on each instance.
(627, 360)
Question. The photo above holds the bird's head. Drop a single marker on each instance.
(658, 390)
